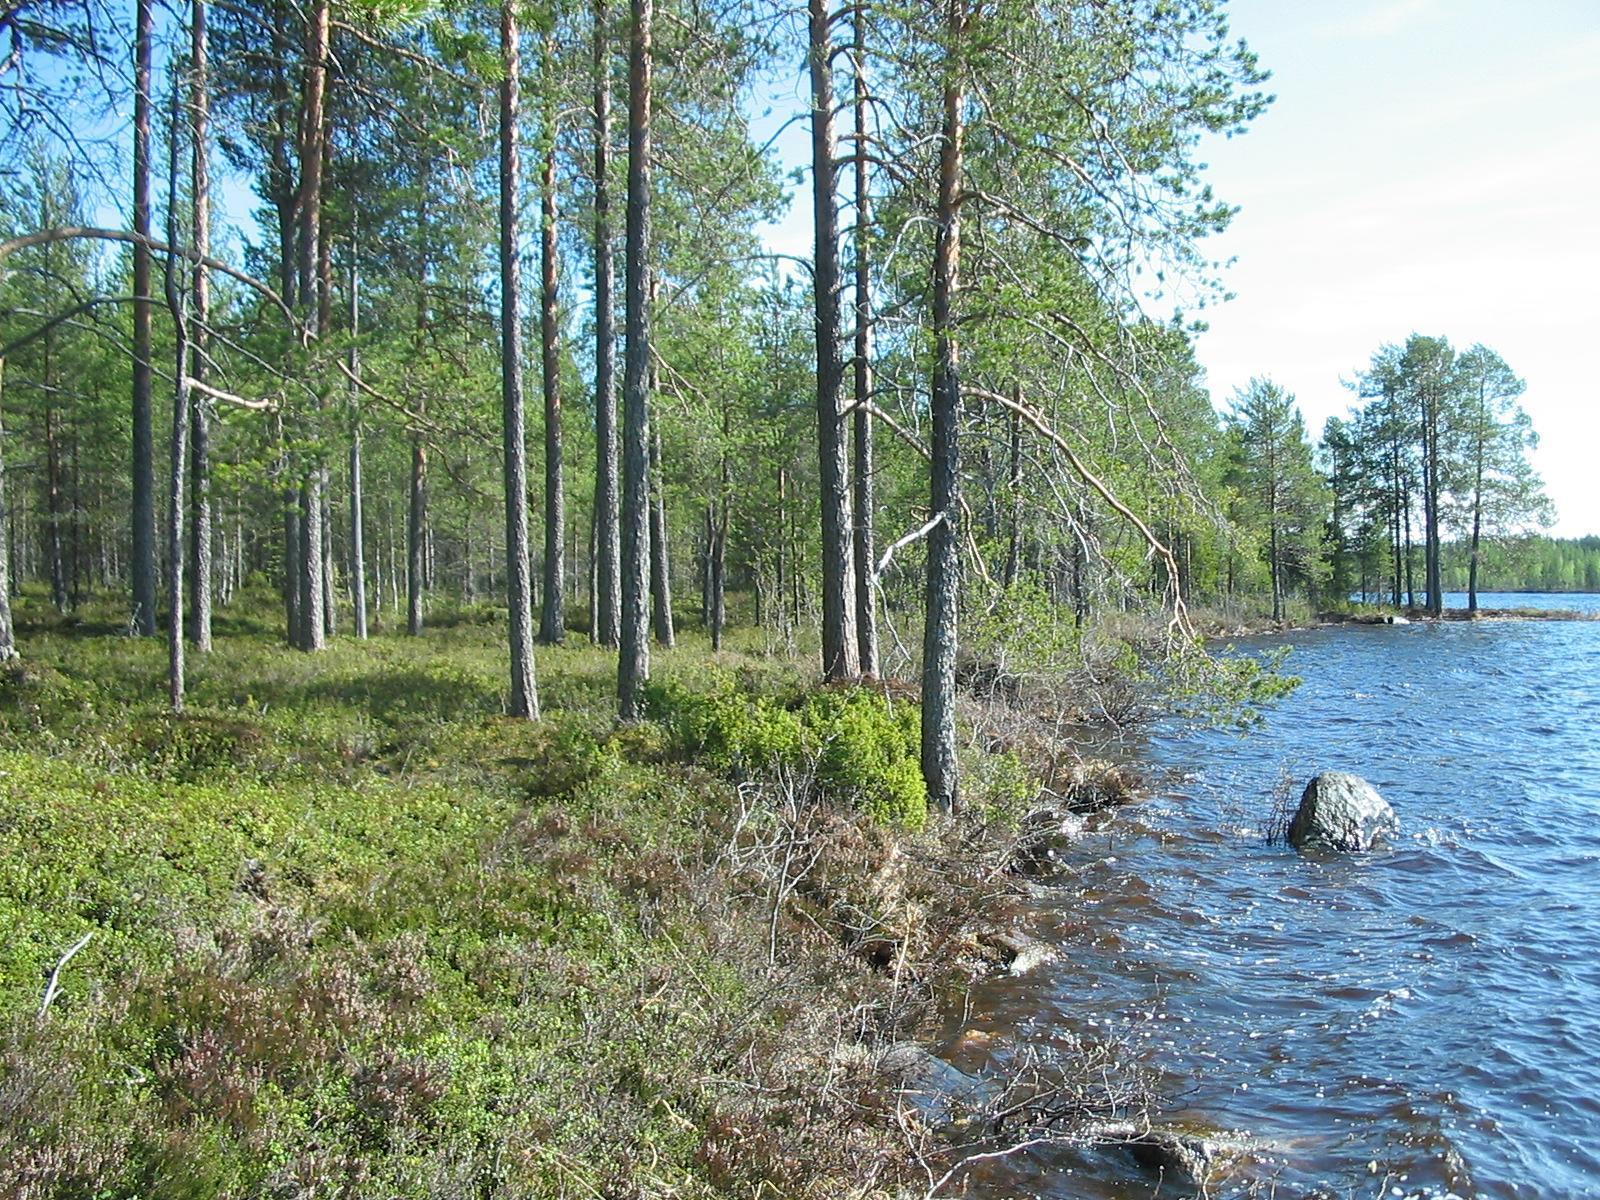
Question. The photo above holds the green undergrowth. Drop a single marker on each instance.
(352, 931)
(861, 747)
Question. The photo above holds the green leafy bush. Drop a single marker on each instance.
(869, 753)
(862, 750)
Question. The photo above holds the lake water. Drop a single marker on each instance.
(1423, 1021)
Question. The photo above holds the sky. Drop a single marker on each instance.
(1428, 166)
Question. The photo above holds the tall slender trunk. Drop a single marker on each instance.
(314, 300)
(1405, 517)
(1477, 500)
(633, 665)
(8, 637)
(416, 545)
(939, 765)
(1394, 518)
(708, 524)
(144, 482)
(660, 550)
(330, 605)
(1435, 567)
(717, 549)
(519, 587)
(1275, 553)
(866, 614)
(553, 618)
(55, 498)
(181, 418)
(358, 550)
(312, 637)
(1014, 484)
(607, 535)
(78, 525)
(840, 653)
(200, 430)
(781, 582)
(289, 512)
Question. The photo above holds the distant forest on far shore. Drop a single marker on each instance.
(1533, 564)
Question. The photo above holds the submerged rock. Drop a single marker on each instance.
(1018, 952)
(1181, 1158)
(942, 1095)
(1340, 811)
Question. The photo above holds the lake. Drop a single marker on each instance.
(1423, 1021)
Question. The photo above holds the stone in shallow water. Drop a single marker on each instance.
(1340, 811)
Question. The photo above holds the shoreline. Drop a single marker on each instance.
(1218, 629)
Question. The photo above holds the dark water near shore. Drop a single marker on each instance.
(1420, 1022)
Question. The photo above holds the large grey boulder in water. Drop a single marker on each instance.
(1340, 811)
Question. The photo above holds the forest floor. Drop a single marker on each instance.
(343, 928)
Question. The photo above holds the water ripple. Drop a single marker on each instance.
(1423, 1020)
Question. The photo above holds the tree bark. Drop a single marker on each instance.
(200, 430)
(8, 637)
(1435, 567)
(866, 614)
(416, 543)
(144, 483)
(607, 535)
(633, 666)
(55, 498)
(553, 618)
(717, 551)
(660, 549)
(1478, 449)
(840, 653)
(358, 550)
(519, 587)
(1014, 483)
(288, 500)
(181, 418)
(939, 763)
(313, 295)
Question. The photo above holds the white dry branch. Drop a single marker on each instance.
(53, 989)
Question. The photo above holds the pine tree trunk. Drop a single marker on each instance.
(781, 583)
(840, 653)
(8, 636)
(289, 512)
(144, 483)
(607, 536)
(633, 666)
(416, 538)
(553, 618)
(1477, 503)
(310, 561)
(1014, 483)
(55, 499)
(660, 550)
(717, 561)
(519, 585)
(330, 606)
(708, 525)
(1435, 567)
(866, 614)
(358, 551)
(181, 420)
(939, 765)
(314, 300)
